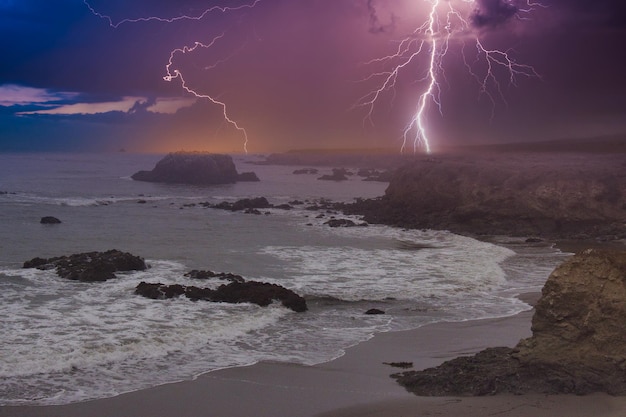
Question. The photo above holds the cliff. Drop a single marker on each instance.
(551, 195)
(578, 343)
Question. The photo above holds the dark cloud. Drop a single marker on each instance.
(492, 13)
(605, 12)
(376, 26)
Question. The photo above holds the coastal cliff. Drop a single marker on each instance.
(578, 343)
(549, 195)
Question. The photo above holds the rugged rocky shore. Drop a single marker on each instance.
(556, 196)
(195, 168)
(578, 343)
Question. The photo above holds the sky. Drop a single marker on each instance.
(275, 75)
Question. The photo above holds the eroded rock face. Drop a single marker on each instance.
(520, 195)
(195, 169)
(90, 266)
(581, 316)
(578, 343)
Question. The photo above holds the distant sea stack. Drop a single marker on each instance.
(195, 168)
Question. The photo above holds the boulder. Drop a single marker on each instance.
(49, 220)
(91, 266)
(260, 293)
(248, 177)
(578, 342)
(194, 168)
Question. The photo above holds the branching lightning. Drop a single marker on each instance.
(431, 42)
(173, 73)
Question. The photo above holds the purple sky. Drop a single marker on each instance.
(291, 71)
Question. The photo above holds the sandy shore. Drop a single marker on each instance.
(357, 384)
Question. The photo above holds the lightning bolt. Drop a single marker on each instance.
(445, 23)
(173, 73)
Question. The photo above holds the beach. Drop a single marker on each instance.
(356, 384)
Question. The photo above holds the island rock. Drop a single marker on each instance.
(196, 169)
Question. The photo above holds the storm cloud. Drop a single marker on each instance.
(492, 13)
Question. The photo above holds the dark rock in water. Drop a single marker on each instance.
(533, 240)
(343, 223)
(49, 220)
(374, 311)
(195, 169)
(399, 364)
(578, 344)
(305, 171)
(339, 174)
(91, 266)
(227, 276)
(248, 177)
(243, 204)
(260, 293)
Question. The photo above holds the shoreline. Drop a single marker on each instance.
(275, 388)
(355, 384)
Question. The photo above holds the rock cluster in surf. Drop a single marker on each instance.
(578, 344)
(102, 266)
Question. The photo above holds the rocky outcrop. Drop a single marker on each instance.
(339, 174)
(195, 169)
(49, 220)
(578, 343)
(243, 204)
(343, 223)
(260, 293)
(555, 196)
(90, 266)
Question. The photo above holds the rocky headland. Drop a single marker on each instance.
(551, 195)
(578, 342)
(195, 168)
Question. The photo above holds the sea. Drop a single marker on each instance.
(64, 341)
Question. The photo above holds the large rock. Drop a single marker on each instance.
(557, 196)
(194, 168)
(238, 291)
(90, 266)
(578, 343)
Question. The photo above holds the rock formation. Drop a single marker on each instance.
(575, 196)
(195, 169)
(578, 343)
(237, 291)
(49, 220)
(90, 266)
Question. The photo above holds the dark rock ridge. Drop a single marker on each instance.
(49, 220)
(544, 195)
(237, 291)
(343, 223)
(90, 266)
(339, 174)
(578, 343)
(196, 169)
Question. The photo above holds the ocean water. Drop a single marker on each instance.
(64, 341)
